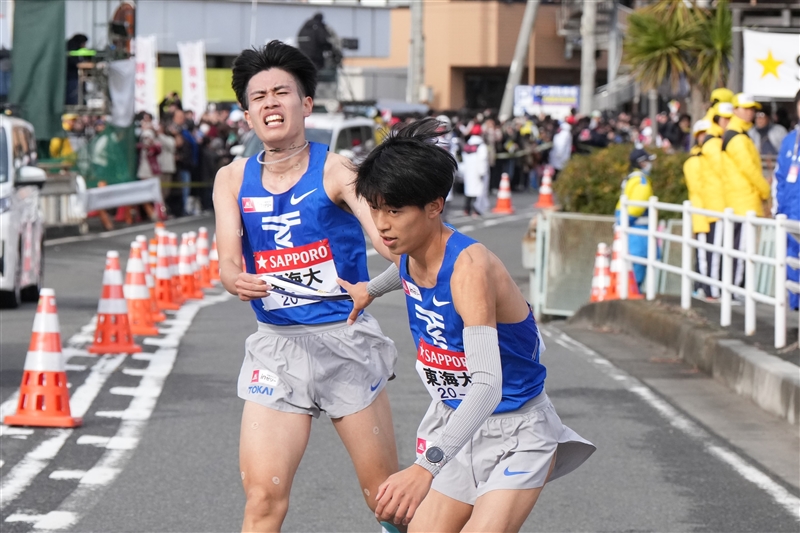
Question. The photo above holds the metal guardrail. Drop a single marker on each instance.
(688, 242)
(62, 201)
(122, 194)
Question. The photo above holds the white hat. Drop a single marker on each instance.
(700, 126)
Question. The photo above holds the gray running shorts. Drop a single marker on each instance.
(509, 451)
(335, 368)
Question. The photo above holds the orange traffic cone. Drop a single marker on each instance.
(160, 227)
(545, 200)
(601, 280)
(177, 291)
(137, 295)
(155, 314)
(503, 205)
(165, 290)
(213, 261)
(43, 394)
(616, 269)
(202, 259)
(113, 332)
(193, 262)
(190, 292)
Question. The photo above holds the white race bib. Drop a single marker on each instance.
(312, 265)
(444, 372)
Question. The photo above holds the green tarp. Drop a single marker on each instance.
(39, 64)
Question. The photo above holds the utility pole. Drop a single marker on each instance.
(518, 63)
(253, 23)
(588, 62)
(613, 57)
(416, 56)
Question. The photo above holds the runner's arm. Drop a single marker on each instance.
(229, 242)
(344, 181)
(475, 299)
(365, 292)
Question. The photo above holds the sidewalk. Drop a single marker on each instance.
(748, 365)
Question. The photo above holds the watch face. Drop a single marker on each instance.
(434, 455)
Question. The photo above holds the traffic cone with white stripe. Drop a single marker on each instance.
(202, 259)
(190, 292)
(113, 331)
(213, 261)
(616, 269)
(137, 295)
(601, 280)
(43, 393)
(165, 289)
(545, 200)
(193, 262)
(177, 291)
(155, 314)
(503, 205)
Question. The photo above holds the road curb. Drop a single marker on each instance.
(772, 383)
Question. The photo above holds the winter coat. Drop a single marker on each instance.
(474, 166)
(562, 147)
(745, 186)
(694, 176)
(166, 159)
(775, 136)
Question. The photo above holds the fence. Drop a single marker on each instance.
(689, 244)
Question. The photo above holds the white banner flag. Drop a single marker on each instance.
(144, 49)
(771, 64)
(193, 71)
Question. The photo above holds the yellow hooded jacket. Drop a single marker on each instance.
(713, 190)
(694, 175)
(745, 186)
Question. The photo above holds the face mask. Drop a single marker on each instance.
(204, 128)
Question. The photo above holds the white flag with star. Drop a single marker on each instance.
(771, 64)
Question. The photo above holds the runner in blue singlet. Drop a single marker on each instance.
(292, 211)
(491, 438)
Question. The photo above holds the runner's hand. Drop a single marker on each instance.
(399, 496)
(361, 298)
(251, 287)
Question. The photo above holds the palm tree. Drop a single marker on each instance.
(673, 40)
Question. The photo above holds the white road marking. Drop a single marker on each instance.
(2, 463)
(22, 517)
(111, 443)
(134, 420)
(8, 431)
(780, 495)
(67, 474)
(24, 472)
(75, 368)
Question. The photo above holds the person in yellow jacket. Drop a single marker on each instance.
(696, 172)
(637, 187)
(714, 179)
(745, 185)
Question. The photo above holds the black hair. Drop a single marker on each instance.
(274, 54)
(797, 98)
(408, 168)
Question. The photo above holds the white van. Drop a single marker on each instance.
(21, 230)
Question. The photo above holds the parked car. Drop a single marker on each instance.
(21, 221)
(352, 137)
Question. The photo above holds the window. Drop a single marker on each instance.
(344, 141)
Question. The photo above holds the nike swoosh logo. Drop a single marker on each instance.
(295, 201)
(508, 472)
(375, 387)
(437, 303)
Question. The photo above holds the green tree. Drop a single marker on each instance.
(673, 40)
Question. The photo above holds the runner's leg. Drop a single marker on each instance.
(504, 510)
(368, 436)
(440, 513)
(270, 448)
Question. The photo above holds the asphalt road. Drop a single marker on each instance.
(158, 450)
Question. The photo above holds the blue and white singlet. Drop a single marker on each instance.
(438, 331)
(300, 234)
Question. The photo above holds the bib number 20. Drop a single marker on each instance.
(447, 393)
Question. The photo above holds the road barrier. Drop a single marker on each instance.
(62, 202)
(122, 194)
(562, 259)
(753, 255)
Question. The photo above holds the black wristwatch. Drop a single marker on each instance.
(434, 455)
